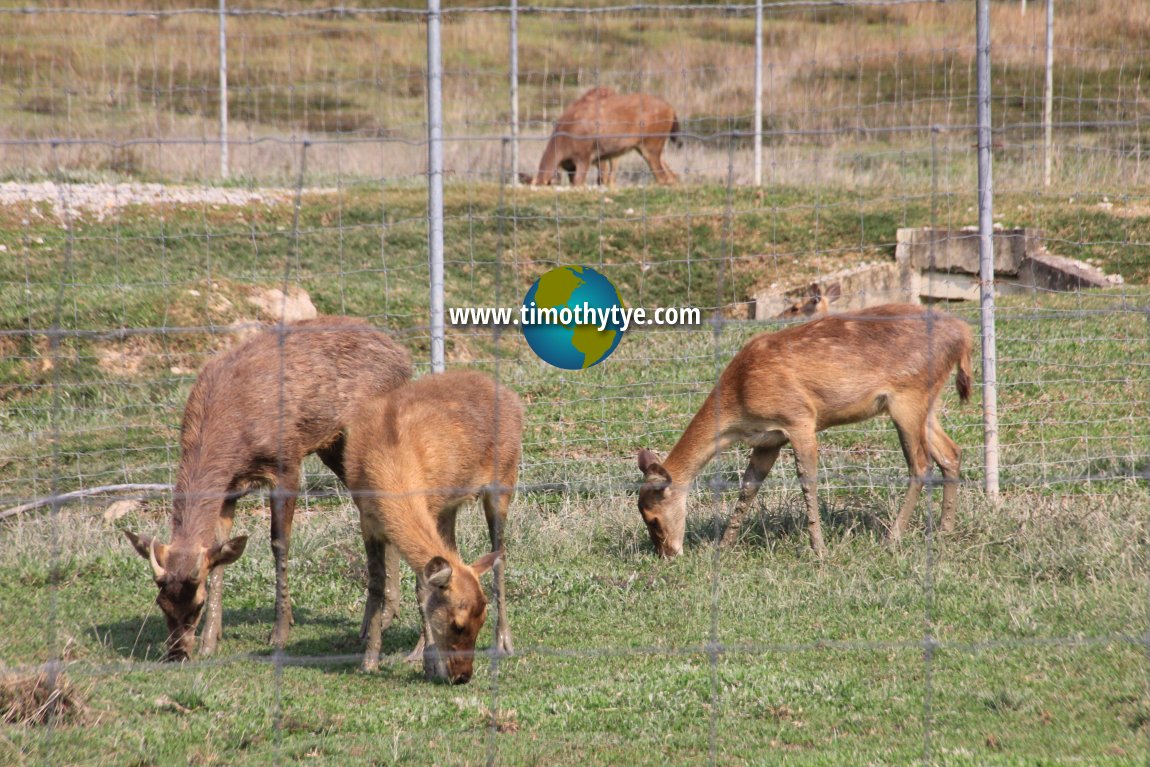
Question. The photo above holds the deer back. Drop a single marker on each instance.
(844, 368)
(275, 398)
(617, 122)
(451, 432)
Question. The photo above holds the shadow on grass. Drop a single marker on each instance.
(143, 638)
(767, 527)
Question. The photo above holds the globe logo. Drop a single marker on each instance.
(569, 317)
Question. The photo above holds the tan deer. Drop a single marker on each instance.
(816, 304)
(603, 125)
(606, 167)
(413, 457)
(788, 386)
(252, 415)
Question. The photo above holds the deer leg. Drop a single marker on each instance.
(653, 154)
(806, 449)
(445, 523)
(565, 169)
(213, 621)
(332, 457)
(416, 655)
(384, 591)
(382, 574)
(382, 557)
(948, 455)
(606, 172)
(762, 459)
(495, 503)
(911, 435)
(283, 511)
(582, 166)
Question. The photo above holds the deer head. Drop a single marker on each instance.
(454, 610)
(815, 304)
(663, 505)
(181, 575)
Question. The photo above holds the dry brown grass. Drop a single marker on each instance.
(43, 697)
(852, 72)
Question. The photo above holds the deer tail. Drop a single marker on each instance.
(962, 378)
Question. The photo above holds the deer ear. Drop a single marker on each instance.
(815, 291)
(437, 572)
(486, 562)
(227, 552)
(651, 468)
(647, 459)
(834, 292)
(141, 543)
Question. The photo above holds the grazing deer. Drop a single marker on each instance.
(816, 304)
(603, 125)
(253, 413)
(413, 457)
(788, 386)
(606, 167)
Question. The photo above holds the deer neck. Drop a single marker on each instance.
(549, 164)
(704, 437)
(203, 485)
(409, 526)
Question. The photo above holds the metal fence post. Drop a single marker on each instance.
(514, 92)
(435, 183)
(986, 255)
(223, 88)
(758, 92)
(1048, 112)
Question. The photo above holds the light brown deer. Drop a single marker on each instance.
(788, 386)
(602, 126)
(413, 457)
(816, 304)
(605, 167)
(252, 415)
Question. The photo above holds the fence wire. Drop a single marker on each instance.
(127, 263)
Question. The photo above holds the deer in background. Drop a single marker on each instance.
(578, 107)
(788, 386)
(252, 415)
(815, 304)
(603, 125)
(413, 457)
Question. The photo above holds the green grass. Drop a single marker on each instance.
(825, 660)
(762, 655)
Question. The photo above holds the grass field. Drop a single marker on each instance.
(1035, 608)
(850, 93)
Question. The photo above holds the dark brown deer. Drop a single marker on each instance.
(816, 304)
(413, 457)
(788, 386)
(253, 413)
(602, 126)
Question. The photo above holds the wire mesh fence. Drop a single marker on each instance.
(128, 263)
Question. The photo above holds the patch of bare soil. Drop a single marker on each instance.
(127, 358)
